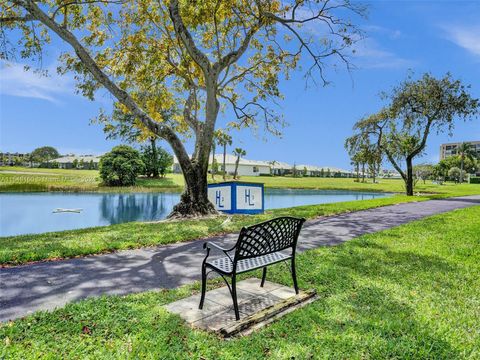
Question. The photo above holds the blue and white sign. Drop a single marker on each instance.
(237, 197)
(221, 197)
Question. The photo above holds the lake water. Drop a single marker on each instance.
(25, 213)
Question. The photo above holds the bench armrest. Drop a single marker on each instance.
(209, 245)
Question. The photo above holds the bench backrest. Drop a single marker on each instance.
(268, 237)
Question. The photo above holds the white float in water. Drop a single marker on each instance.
(60, 210)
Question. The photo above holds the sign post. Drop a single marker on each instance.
(235, 197)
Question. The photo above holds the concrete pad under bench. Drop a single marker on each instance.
(258, 306)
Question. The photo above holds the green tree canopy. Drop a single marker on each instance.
(121, 166)
(469, 165)
(44, 154)
(414, 109)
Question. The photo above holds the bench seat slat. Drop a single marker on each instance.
(225, 265)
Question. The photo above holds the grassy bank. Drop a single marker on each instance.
(18, 179)
(15, 179)
(16, 250)
(408, 292)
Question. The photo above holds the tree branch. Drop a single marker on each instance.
(9, 19)
(192, 121)
(122, 96)
(180, 29)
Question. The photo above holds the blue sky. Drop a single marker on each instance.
(424, 36)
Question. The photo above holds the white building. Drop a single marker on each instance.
(245, 167)
(451, 149)
(81, 161)
(322, 171)
(279, 168)
(256, 168)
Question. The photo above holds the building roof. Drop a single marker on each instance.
(71, 158)
(332, 169)
(278, 165)
(230, 160)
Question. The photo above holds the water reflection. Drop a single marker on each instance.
(23, 213)
(116, 209)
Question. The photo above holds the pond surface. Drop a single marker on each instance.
(27, 213)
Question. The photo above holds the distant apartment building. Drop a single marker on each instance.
(10, 159)
(450, 149)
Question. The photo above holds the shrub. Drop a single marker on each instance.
(454, 174)
(121, 166)
(474, 180)
(157, 160)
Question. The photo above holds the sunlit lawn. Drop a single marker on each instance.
(89, 180)
(408, 292)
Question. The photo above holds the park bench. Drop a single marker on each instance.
(258, 246)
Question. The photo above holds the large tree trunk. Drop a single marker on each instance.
(194, 199)
(363, 172)
(409, 178)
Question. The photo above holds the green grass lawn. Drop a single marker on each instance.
(409, 292)
(27, 179)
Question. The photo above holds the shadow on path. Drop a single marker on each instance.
(44, 286)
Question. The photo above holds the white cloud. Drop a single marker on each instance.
(390, 33)
(370, 55)
(16, 81)
(467, 37)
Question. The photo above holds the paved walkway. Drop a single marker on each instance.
(42, 286)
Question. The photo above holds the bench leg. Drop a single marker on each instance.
(204, 286)
(234, 297)
(294, 276)
(264, 276)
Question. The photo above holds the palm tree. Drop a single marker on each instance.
(465, 150)
(224, 139)
(239, 152)
(273, 163)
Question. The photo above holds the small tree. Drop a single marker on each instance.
(75, 163)
(224, 139)
(150, 159)
(165, 161)
(272, 164)
(304, 172)
(416, 108)
(455, 174)
(239, 152)
(156, 160)
(44, 154)
(465, 150)
(121, 166)
(423, 172)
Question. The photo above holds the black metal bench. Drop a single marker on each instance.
(258, 246)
